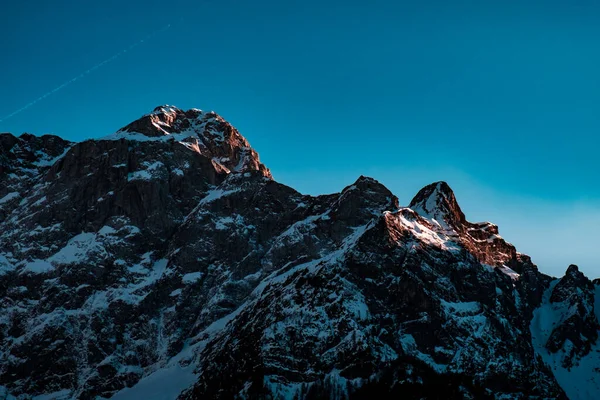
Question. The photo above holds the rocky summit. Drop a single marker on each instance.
(165, 262)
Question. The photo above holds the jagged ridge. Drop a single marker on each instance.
(165, 257)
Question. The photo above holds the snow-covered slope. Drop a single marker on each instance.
(564, 330)
(164, 261)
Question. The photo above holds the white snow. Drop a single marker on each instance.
(430, 210)
(9, 197)
(60, 395)
(297, 229)
(140, 137)
(37, 266)
(358, 307)
(5, 394)
(40, 201)
(407, 341)
(191, 277)
(78, 249)
(5, 265)
(582, 381)
(170, 380)
(222, 223)
(217, 194)
(106, 230)
(46, 161)
(133, 293)
(461, 307)
(422, 232)
(165, 384)
(147, 173)
(165, 109)
(507, 271)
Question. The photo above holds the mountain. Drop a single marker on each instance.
(164, 261)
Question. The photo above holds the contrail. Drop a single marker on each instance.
(90, 70)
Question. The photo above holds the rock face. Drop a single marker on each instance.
(165, 259)
(22, 161)
(580, 327)
(438, 204)
(206, 133)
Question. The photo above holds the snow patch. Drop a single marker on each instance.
(582, 381)
(145, 174)
(10, 196)
(78, 249)
(5, 266)
(192, 277)
(217, 194)
(37, 266)
(60, 395)
(47, 161)
(165, 384)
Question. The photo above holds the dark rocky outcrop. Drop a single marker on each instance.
(578, 330)
(437, 202)
(167, 253)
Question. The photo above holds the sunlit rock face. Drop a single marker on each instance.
(204, 132)
(165, 260)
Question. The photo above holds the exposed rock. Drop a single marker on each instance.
(578, 330)
(437, 203)
(22, 161)
(204, 132)
(166, 255)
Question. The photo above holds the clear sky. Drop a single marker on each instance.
(499, 98)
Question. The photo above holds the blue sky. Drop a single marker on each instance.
(499, 98)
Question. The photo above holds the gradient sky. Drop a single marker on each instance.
(501, 99)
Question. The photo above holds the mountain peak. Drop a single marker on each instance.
(569, 284)
(169, 120)
(573, 269)
(166, 108)
(146, 236)
(437, 202)
(371, 192)
(204, 132)
(366, 181)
